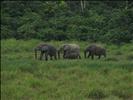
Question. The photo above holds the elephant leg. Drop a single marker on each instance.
(99, 56)
(79, 57)
(64, 53)
(35, 54)
(85, 53)
(63, 56)
(41, 55)
(104, 55)
(55, 57)
(89, 55)
(51, 58)
(92, 56)
(46, 56)
(58, 56)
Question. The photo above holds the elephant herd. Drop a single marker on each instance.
(68, 51)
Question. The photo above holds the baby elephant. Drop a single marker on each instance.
(70, 51)
(72, 55)
(94, 50)
(46, 49)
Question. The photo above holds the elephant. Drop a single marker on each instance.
(72, 55)
(95, 50)
(69, 51)
(46, 49)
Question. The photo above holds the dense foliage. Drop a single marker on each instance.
(110, 21)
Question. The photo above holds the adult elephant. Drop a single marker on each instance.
(46, 49)
(94, 50)
(70, 51)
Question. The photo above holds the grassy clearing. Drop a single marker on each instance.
(24, 78)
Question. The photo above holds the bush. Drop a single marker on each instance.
(6, 32)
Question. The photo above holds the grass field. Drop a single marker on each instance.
(24, 78)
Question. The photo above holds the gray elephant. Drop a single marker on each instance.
(94, 50)
(46, 49)
(72, 55)
(69, 51)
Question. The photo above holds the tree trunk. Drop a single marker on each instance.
(82, 7)
(84, 4)
(126, 7)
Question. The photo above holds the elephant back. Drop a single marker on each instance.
(72, 47)
(100, 51)
(97, 50)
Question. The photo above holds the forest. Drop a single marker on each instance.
(81, 20)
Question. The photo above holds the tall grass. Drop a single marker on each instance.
(24, 78)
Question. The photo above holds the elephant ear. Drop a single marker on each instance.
(44, 48)
(66, 47)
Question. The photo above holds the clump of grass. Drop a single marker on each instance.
(105, 71)
(127, 66)
(6, 77)
(112, 97)
(97, 94)
(118, 53)
(35, 83)
(124, 94)
(130, 57)
(28, 68)
(111, 59)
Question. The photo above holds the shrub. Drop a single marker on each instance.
(6, 32)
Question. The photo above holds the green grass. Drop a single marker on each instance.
(24, 78)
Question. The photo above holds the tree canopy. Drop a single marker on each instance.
(110, 21)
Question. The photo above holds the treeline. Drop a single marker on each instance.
(105, 21)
